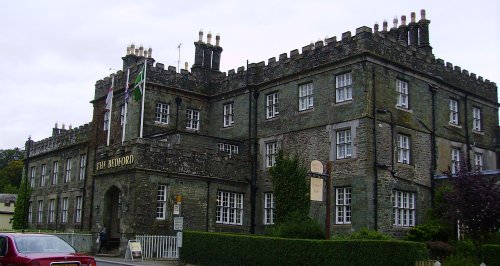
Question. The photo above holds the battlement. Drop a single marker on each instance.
(406, 45)
(60, 138)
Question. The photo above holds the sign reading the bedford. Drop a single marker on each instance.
(116, 162)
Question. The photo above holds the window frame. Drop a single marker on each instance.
(268, 208)
(343, 143)
(476, 119)
(162, 113)
(43, 176)
(122, 114)
(455, 160)
(343, 87)
(272, 105)
(51, 211)
(55, 172)
(403, 208)
(161, 201)
(78, 209)
(271, 150)
(32, 176)
(192, 119)
(306, 96)
(404, 148)
(403, 91)
(478, 161)
(454, 112)
(64, 209)
(229, 208)
(105, 125)
(343, 205)
(67, 173)
(228, 114)
(83, 167)
(39, 217)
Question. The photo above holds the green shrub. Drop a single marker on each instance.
(490, 254)
(364, 233)
(455, 260)
(203, 248)
(428, 232)
(304, 229)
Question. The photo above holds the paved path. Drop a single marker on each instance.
(123, 261)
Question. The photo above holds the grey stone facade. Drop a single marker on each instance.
(123, 178)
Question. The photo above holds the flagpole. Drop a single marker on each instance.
(110, 109)
(143, 97)
(127, 95)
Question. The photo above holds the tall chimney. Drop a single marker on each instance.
(413, 31)
(207, 52)
(403, 31)
(198, 52)
(217, 51)
(423, 33)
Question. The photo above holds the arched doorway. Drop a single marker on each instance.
(111, 212)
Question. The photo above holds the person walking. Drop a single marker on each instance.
(103, 238)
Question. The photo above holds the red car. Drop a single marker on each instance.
(39, 250)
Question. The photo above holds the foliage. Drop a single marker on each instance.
(490, 254)
(363, 234)
(305, 229)
(474, 200)
(202, 248)
(291, 193)
(21, 209)
(455, 260)
(432, 231)
(11, 167)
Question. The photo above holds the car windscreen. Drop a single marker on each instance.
(42, 244)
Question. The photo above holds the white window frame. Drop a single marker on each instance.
(30, 212)
(122, 114)
(478, 161)
(272, 105)
(271, 151)
(67, 175)
(43, 177)
(344, 143)
(403, 208)
(162, 113)
(454, 112)
(455, 160)
(106, 121)
(269, 208)
(192, 119)
(228, 115)
(39, 217)
(83, 166)
(229, 208)
(64, 210)
(306, 96)
(51, 211)
(32, 177)
(228, 148)
(404, 149)
(403, 94)
(55, 169)
(78, 209)
(343, 196)
(343, 87)
(476, 119)
(161, 202)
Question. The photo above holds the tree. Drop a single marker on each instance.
(291, 193)
(473, 200)
(9, 155)
(20, 220)
(11, 167)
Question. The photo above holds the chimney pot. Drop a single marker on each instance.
(209, 38)
(413, 17)
(422, 14)
(200, 39)
(375, 27)
(150, 52)
(403, 20)
(186, 65)
(141, 50)
(395, 22)
(56, 125)
(384, 25)
(217, 39)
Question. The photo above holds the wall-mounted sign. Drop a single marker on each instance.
(178, 223)
(116, 162)
(316, 189)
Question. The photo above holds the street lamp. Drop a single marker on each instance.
(317, 188)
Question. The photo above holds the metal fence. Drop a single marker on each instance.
(164, 247)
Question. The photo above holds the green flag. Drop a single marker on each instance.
(138, 85)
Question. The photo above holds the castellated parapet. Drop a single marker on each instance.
(61, 138)
(407, 45)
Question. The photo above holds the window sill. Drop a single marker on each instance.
(228, 127)
(272, 118)
(455, 125)
(478, 132)
(305, 111)
(345, 160)
(408, 110)
(161, 124)
(343, 102)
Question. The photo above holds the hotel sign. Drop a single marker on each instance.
(115, 162)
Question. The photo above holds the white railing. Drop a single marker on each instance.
(164, 247)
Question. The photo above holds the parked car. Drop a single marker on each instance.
(39, 250)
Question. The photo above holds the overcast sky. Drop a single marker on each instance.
(53, 52)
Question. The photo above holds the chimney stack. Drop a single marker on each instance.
(423, 33)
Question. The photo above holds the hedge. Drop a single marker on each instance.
(203, 248)
(491, 254)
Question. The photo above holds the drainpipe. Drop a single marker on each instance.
(375, 169)
(254, 160)
(208, 207)
(433, 89)
(466, 128)
(178, 101)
